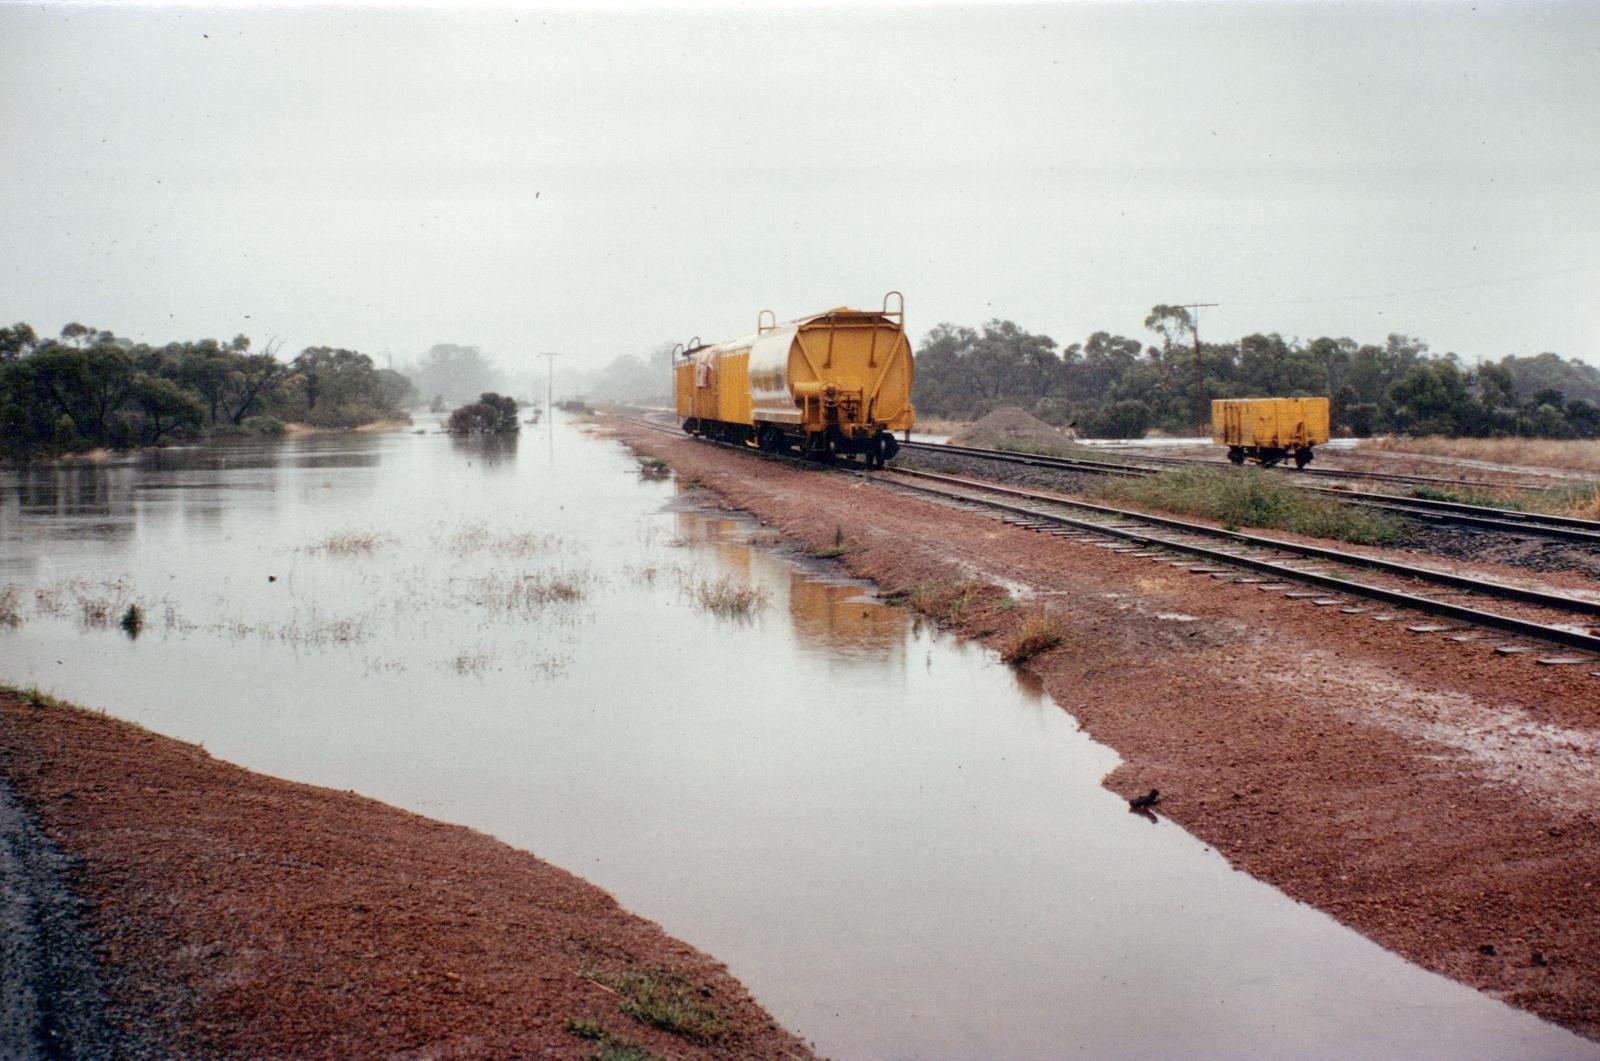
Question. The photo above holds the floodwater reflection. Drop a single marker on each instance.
(900, 847)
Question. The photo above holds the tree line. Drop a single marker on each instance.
(89, 388)
(1119, 387)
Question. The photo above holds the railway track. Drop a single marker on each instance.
(1382, 477)
(1351, 582)
(1546, 617)
(1511, 521)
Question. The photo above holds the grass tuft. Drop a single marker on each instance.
(664, 999)
(837, 549)
(727, 596)
(950, 603)
(612, 1047)
(653, 468)
(1038, 633)
(1250, 497)
(133, 620)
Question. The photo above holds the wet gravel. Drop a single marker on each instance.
(51, 1002)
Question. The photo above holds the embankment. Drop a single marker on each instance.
(240, 916)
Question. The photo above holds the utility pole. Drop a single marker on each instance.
(1199, 362)
(549, 382)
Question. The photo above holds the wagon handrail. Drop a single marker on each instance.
(767, 314)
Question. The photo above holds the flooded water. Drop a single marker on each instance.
(903, 851)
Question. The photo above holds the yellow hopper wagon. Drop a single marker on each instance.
(834, 383)
(1269, 430)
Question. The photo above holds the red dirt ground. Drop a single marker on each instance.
(1438, 798)
(240, 916)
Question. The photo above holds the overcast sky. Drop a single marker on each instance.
(599, 183)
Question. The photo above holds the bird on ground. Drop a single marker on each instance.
(1145, 802)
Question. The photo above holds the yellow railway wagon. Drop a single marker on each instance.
(1269, 430)
(832, 383)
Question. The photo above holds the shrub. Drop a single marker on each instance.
(491, 414)
(262, 426)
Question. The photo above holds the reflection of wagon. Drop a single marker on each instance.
(1268, 430)
(837, 382)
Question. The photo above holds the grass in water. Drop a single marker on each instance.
(349, 543)
(133, 620)
(653, 468)
(1038, 633)
(11, 605)
(1250, 497)
(662, 998)
(726, 596)
(950, 603)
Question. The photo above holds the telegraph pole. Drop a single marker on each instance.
(549, 382)
(1199, 362)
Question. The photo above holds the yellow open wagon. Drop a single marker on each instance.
(1268, 430)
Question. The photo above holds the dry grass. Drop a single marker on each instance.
(477, 538)
(729, 597)
(950, 603)
(471, 662)
(526, 593)
(1582, 455)
(1037, 633)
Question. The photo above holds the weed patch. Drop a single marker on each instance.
(837, 549)
(728, 597)
(1038, 633)
(612, 1047)
(653, 468)
(664, 999)
(1250, 497)
(950, 603)
(350, 543)
(11, 605)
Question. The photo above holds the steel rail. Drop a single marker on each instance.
(1393, 477)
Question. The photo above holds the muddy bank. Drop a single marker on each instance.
(1440, 799)
(237, 915)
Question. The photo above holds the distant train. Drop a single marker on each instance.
(1269, 430)
(835, 383)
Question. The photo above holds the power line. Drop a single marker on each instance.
(1441, 289)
